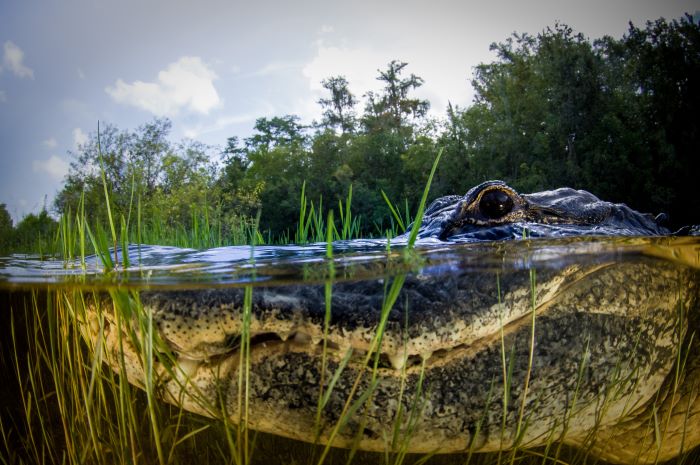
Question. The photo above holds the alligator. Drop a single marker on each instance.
(598, 354)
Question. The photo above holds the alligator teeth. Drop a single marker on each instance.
(187, 368)
(398, 361)
(302, 338)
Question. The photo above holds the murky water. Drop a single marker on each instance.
(484, 271)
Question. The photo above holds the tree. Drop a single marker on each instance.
(535, 108)
(393, 106)
(455, 171)
(284, 131)
(149, 147)
(338, 110)
(616, 117)
(278, 160)
(186, 186)
(6, 231)
(171, 181)
(237, 201)
(235, 165)
(35, 231)
(660, 68)
(109, 151)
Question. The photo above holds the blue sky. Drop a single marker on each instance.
(213, 67)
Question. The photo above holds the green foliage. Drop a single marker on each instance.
(338, 112)
(35, 233)
(6, 231)
(277, 152)
(617, 117)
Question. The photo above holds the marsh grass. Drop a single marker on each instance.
(313, 227)
(399, 219)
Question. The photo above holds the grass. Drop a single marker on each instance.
(73, 410)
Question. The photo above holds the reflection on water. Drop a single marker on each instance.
(471, 274)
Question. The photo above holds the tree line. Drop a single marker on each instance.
(617, 117)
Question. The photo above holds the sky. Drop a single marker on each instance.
(213, 67)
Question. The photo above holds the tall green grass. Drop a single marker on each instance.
(77, 236)
(313, 227)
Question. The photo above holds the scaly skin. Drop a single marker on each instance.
(607, 337)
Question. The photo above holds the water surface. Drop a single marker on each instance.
(162, 267)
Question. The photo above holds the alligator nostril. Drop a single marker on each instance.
(495, 204)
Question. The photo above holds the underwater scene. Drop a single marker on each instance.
(543, 350)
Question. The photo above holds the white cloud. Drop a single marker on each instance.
(445, 79)
(54, 166)
(50, 143)
(186, 84)
(224, 122)
(13, 59)
(326, 29)
(274, 67)
(79, 137)
(81, 74)
(358, 65)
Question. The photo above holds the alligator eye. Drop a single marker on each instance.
(495, 203)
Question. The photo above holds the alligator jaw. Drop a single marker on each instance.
(284, 368)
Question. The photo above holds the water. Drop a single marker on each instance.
(163, 267)
(43, 293)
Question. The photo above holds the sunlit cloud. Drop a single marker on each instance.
(274, 67)
(79, 138)
(13, 59)
(55, 166)
(445, 80)
(358, 65)
(224, 122)
(186, 84)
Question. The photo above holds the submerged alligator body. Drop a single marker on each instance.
(601, 354)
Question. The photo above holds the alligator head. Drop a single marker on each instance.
(493, 210)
